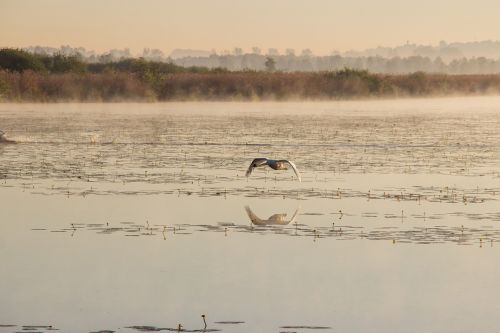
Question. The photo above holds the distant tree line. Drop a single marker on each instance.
(374, 64)
(404, 59)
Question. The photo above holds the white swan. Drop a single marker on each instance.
(273, 164)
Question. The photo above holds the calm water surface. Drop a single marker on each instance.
(132, 217)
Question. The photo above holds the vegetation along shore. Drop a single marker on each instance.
(25, 77)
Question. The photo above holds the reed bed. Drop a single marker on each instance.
(116, 85)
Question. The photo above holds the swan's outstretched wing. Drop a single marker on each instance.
(254, 218)
(294, 169)
(294, 216)
(255, 163)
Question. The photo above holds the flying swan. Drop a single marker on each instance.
(273, 164)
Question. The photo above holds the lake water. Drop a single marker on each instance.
(139, 217)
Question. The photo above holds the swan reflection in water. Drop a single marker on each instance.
(275, 219)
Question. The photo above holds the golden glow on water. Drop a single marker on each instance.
(143, 217)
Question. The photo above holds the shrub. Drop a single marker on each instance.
(60, 63)
(18, 61)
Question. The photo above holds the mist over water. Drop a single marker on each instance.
(134, 217)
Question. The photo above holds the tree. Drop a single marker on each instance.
(238, 51)
(306, 53)
(256, 50)
(270, 64)
(60, 63)
(273, 52)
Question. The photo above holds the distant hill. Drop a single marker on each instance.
(445, 51)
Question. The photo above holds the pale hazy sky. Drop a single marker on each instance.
(321, 25)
